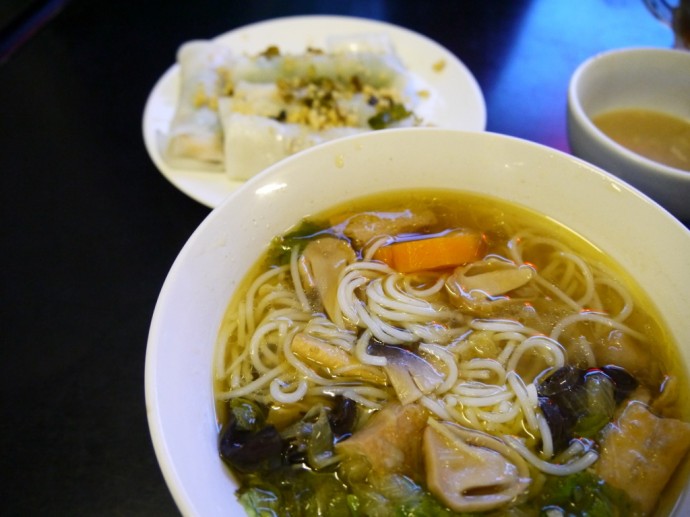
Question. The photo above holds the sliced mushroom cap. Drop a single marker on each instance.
(411, 375)
(321, 263)
(363, 227)
(484, 285)
(471, 472)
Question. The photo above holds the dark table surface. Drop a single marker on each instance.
(90, 227)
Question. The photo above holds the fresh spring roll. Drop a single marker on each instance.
(263, 99)
(195, 138)
(253, 143)
(290, 105)
(371, 58)
(211, 75)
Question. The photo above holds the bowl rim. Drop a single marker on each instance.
(584, 121)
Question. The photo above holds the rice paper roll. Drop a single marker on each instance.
(370, 58)
(195, 138)
(268, 100)
(253, 143)
(261, 99)
(212, 75)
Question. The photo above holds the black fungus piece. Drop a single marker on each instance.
(560, 425)
(624, 382)
(564, 379)
(342, 417)
(249, 451)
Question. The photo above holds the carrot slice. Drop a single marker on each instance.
(436, 252)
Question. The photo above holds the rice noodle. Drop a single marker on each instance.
(362, 354)
(549, 349)
(500, 326)
(528, 408)
(251, 293)
(483, 369)
(554, 469)
(593, 317)
(451, 366)
(428, 292)
(546, 437)
(288, 398)
(254, 385)
(297, 281)
(435, 407)
(587, 277)
(627, 308)
(374, 246)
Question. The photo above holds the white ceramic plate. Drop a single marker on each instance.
(456, 101)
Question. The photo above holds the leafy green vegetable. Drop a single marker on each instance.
(259, 502)
(424, 506)
(320, 442)
(399, 496)
(248, 415)
(294, 492)
(311, 439)
(385, 118)
(281, 247)
(599, 404)
(584, 494)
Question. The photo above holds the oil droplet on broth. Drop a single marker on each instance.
(340, 161)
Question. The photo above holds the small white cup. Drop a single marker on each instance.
(644, 78)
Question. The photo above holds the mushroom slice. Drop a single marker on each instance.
(470, 471)
(363, 227)
(481, 285)
(411, 375)
(321, 263)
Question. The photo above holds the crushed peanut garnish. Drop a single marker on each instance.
(317, 102)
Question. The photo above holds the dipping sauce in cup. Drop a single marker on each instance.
(658, 136)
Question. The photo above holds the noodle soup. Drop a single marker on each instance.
(438, 353)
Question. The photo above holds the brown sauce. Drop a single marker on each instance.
(658, 136)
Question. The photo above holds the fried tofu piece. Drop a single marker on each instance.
(640, 451)
(334, 359)
(390, 442)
